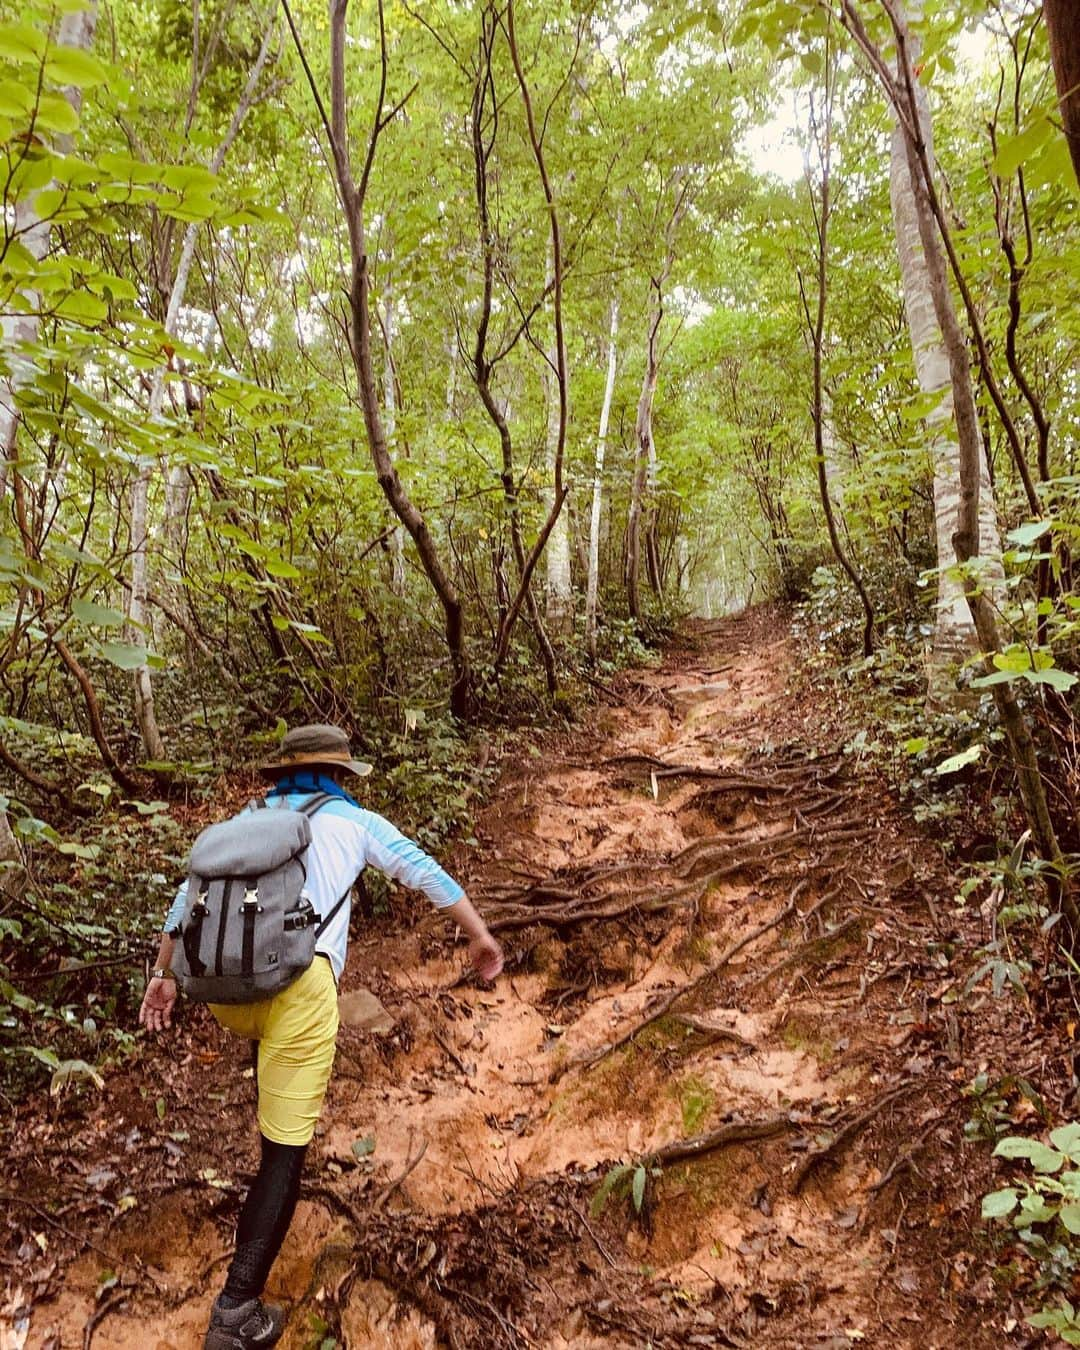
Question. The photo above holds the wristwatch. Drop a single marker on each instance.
(163, 973)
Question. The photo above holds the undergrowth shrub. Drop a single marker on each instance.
(1043, 1209)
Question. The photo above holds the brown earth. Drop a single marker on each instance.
(703, 834)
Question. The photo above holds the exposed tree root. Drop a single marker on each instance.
(668, 1001)
(848, 1131)
(735, 1132)
(806, 951)
(566, 918)
(711, 1032)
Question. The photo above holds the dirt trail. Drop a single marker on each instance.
(700, 809)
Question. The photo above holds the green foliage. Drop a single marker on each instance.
(625, 1181)
(1044, 1211)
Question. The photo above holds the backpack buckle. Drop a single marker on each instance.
(200, 909)
(251, 901)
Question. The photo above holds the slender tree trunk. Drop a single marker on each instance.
(816, 322)
(560, 592)
(955, 638)
(640, 519)
(483, 126)
(397, 541)
(644, 455)
(352, 198)
(593, 579)
(76, 30)
(562, 375)
(140, 500)
(1063, 28)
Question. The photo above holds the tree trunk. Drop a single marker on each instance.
(816, 323)
(560, 592)
(1063, 28)
(644, 456)
(966, 540)
(641, 520)
(593, 579)
(76, 30)
(397, 542)
(955, 638)
(140, 500)
(352, 198)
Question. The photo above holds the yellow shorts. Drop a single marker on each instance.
(296, 1031)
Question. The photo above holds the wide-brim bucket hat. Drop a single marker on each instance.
(313, 747)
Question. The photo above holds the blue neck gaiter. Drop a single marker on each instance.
(307, 784)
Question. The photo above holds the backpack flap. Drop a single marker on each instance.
(251, 845)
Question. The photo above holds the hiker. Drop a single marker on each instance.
(295, 1029)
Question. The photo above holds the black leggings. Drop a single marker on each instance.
(264, 1219)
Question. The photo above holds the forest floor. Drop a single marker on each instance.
(699, 864)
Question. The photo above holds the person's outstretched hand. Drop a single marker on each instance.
(157, 1005)
(486, 956)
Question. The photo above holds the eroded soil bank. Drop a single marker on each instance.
(729, 961)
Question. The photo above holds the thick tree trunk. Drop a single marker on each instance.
(966, 540)
(955, 638)
(593, 579)
(1063, 28)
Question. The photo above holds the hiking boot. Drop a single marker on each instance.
(250, 1327)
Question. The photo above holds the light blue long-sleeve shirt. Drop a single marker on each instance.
(344, 840)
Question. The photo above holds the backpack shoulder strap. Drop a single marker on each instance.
(316, 804)
(324, 923)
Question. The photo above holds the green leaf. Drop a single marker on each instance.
(21, 42)
(1042, 1157)
(998, 1204)
(16, 100)
(916, 745)
(1066, 1138)
(88, 612)
(1060, 680)
(126, 655)
(73, 1068)
(278, 567)
(1014, 150)
(960, 761)
(1026, 535)
(72, 65)
(363, 1148)
(1070, 1217)
(154, 808)
(638, 1188)
(610, 1181)
(47, 1057)
(87, 852)
(55, 113)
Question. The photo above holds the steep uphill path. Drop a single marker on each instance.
(723, 974)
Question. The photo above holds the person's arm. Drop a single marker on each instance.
(484, 952)
(160, 998)
(393, 853)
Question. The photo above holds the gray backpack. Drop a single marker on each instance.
(249, 927)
